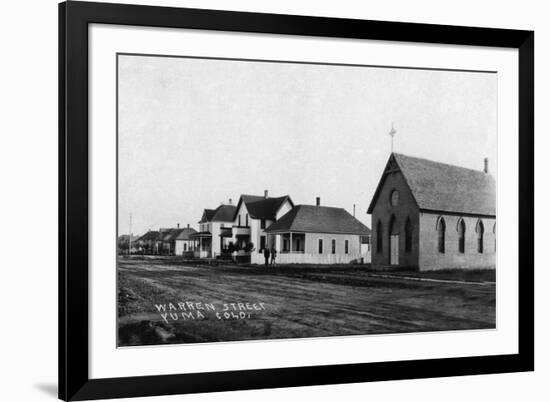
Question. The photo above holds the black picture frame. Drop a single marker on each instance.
(74, 18)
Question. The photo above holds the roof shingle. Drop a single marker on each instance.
(224, 213)
(150, 235)
(185, 234)
(319, 219)
(264, 208)
(170, 234)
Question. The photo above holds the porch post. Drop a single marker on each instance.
(291, 242)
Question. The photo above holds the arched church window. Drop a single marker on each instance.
(441, 234)
(461, 236)
(480, 229)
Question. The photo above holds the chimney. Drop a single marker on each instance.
(486, 165)
(318, 201)
(178, 225)
(230, 201)
(354, 210)
(265, 193)
(187, 226)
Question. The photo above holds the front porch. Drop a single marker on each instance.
(225, 241)
(202, 244)
(288, 243)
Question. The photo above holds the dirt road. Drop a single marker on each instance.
(168, 302)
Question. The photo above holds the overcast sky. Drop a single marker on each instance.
(194, 132)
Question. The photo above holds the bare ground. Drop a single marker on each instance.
(297, 302)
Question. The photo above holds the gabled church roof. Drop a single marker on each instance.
(318, 219)
(441, 187)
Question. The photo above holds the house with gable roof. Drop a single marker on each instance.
(184, 243)
(214, 231)
(253, 215)
(148, 242)
(315, 234)
(433, 215)
(167, 240)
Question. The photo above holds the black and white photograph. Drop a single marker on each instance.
(234, 201)
(269, 199)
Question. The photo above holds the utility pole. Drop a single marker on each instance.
(130, 236)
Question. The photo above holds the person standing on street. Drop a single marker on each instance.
(266, 256)
(273, 255)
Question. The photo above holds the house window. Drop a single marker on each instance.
(262, 224)
(346, 246)
(479, 230)
(320, 246)
(408, 235)
(239, 223)
(461, 236)
(441, 235)
(246, 220)
(184, 246)
(365, 240)
(379, 237)
(285, 244)
(333, 246)
(262, 244)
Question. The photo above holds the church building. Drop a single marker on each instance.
(430, 215)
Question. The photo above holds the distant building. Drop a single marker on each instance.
(148, 243)
(252, 216)
(315, 234)
(167, 240)
(433, 215)
(184, 242)
(163, 241)
(127, 244)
